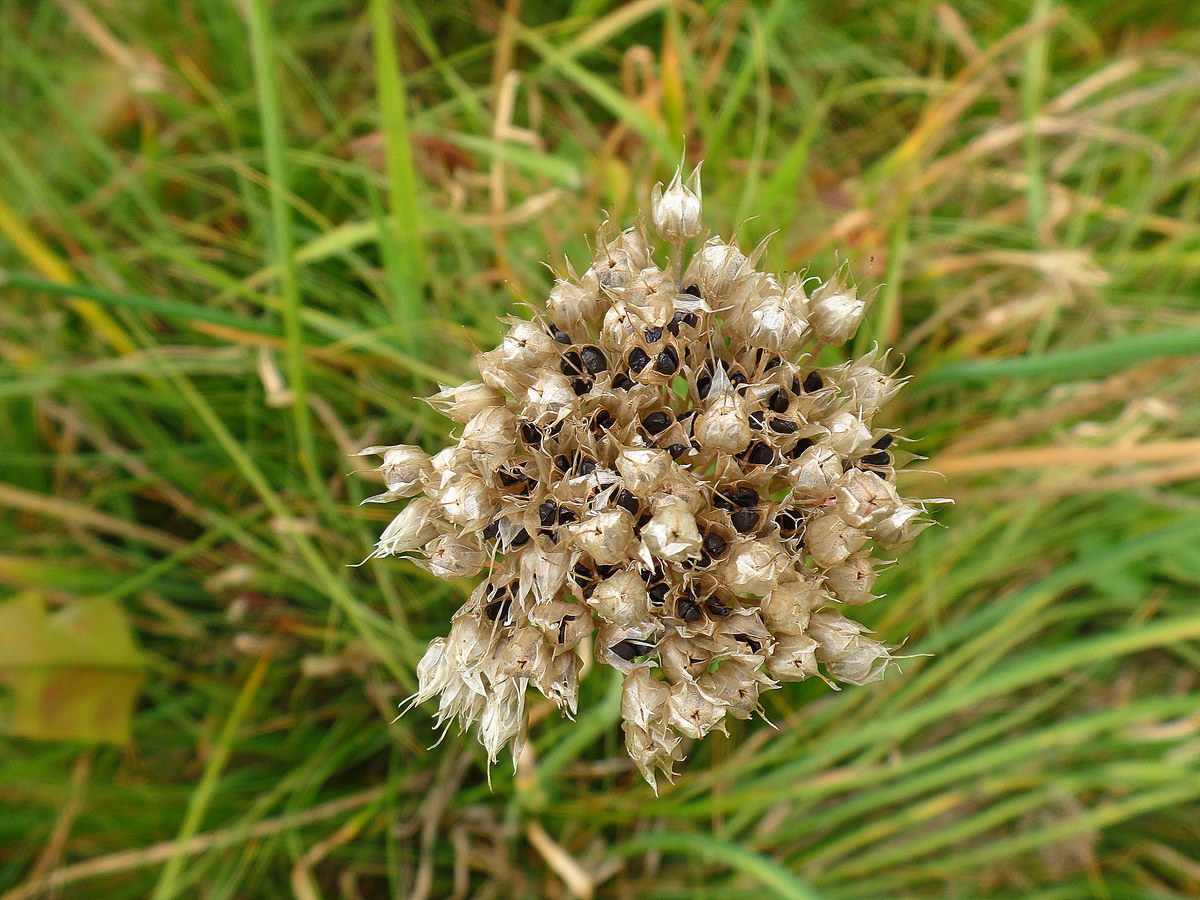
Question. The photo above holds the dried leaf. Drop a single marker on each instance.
(70, 675)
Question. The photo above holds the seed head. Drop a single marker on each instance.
(657, 465)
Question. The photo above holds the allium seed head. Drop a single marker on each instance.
(657, 466)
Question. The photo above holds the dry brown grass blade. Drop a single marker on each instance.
(576, 878)
(1084, 400)
(155, 854)
(72, 514)
(1072, 457)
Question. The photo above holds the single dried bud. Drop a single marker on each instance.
(409, 530)
(848, 434)
(643, 698)
(467, 501)
(816, 472)
(676, 212)
(654, 474)
(725, 424)
(864, 499)
(404, 468)
(452, 556)
(851, 656)
(672, 534)
(621, 599)
(492, 432)
(715, 269)
(466, 401)
(644, 470)
(574, 307)
(753, 567)
(787, 608)
(851, 582)
(605, 536)
(900, 527)
(829, 539)
(836, 311)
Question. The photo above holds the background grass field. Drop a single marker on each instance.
(238, 238)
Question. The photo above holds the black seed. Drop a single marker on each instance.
(641, 523)
(673, 325)
(714, 544)
(548, 513)
(628, 502)
(554, 429)
(627, 650)
(777, 361)
(588, 590)
(801, 445)
(883, 443)
(653, 335)
(658, 593)
(795, 385)
(814, 382)
(737, 379)
(496, 590)
(881, 458)
(676, 450)
(604, 419)
(723, 500)
(509, 478)
(693, 289)
(572, 364)
(657, 422)
(559, 335)
(687, 609)
(587, 466)
(667, 362)
(778, 401)
(744, 497)
(528, 486)
(562, 628)
(531, 435)
(492, 530)
(622, 382)
(703, 386)
(594, 359)
(760, 454)
(581, 573)
(717, 608)
(638, 359)
(756, 419)
(606, 571)
(754, 645)
(745, 520)
(562, 463)
(581, 386)
(520, 539)
(499, 609)
(784, 426)
(696, 446)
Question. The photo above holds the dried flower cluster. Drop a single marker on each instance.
(656, 467)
